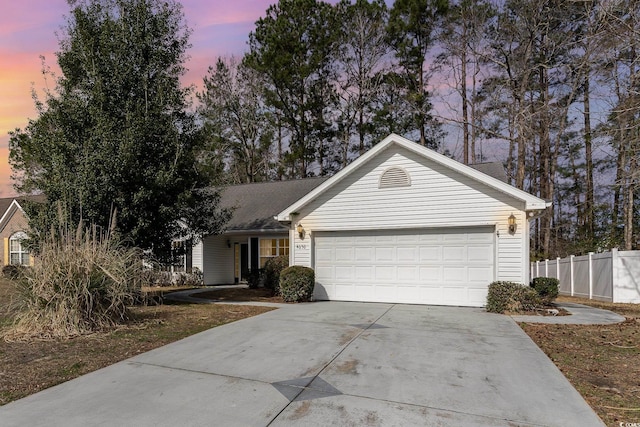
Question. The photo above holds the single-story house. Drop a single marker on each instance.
(401, 224)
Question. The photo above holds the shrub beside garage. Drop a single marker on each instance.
(515, 297)
(297, 283)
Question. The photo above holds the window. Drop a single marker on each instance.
(270, 248)
(182, 256)
(18, 254)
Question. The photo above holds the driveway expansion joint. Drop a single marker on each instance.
(362, 331)
(194, 371)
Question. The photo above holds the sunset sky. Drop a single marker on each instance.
(28, 30)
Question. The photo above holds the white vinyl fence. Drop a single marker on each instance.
(610, 276)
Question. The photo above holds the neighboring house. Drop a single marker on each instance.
(13, 230)
(401, 223)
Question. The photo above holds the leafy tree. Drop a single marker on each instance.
(292, 47)
(411, 28)
(236, 119)
(114, 135)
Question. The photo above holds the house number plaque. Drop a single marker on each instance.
(302, 246)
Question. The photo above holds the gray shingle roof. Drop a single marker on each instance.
(256, 204)
(493, 169)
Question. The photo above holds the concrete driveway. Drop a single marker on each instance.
(326, 363)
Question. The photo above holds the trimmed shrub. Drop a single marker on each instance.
(511, 296)
(297, 283)
(82, 281)
(547, 288)
(272, 269)
(255, 278)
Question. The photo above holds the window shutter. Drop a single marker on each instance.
(6, 251)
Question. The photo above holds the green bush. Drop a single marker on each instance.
(511, 296)
(547, 288)
(255, 278)
(272, 269)
(297, 283)
(82, 281)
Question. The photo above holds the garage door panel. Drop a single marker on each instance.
(480, 238)
(324, 271)
(407, 254)
(385, 254)
(408, 238)
(385, 238)
(344, 291)
(385, 292)
(431, 274)
(344, 254)
(430, 254)
(344, 273)
(477, 296)
(480, 275)
(479, 254)
(324, 254)
(364, 254)
(454, 274)
(384, 273)
(451, 267)
(359, 240)
(408, 273)
(452, 295)
(363, 273)
(430, 238)
(454, 254)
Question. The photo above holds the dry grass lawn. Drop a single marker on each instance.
(601, 361)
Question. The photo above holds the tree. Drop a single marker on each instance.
(236, 120)
(292, 48)
(411, 28)
(462, 41)
(363, 61)
(115, 134)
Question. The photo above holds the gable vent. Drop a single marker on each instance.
(394, 177)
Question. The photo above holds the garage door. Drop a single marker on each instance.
(442, 267)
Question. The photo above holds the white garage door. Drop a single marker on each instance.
(441, 267)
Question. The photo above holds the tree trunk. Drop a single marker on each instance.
(465, 102)
(589, 198)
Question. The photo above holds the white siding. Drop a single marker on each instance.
(217, 261)
(196, 256)
(438, 197)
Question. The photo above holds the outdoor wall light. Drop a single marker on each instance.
(300, 230)
(512, 224)
(228, 243)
